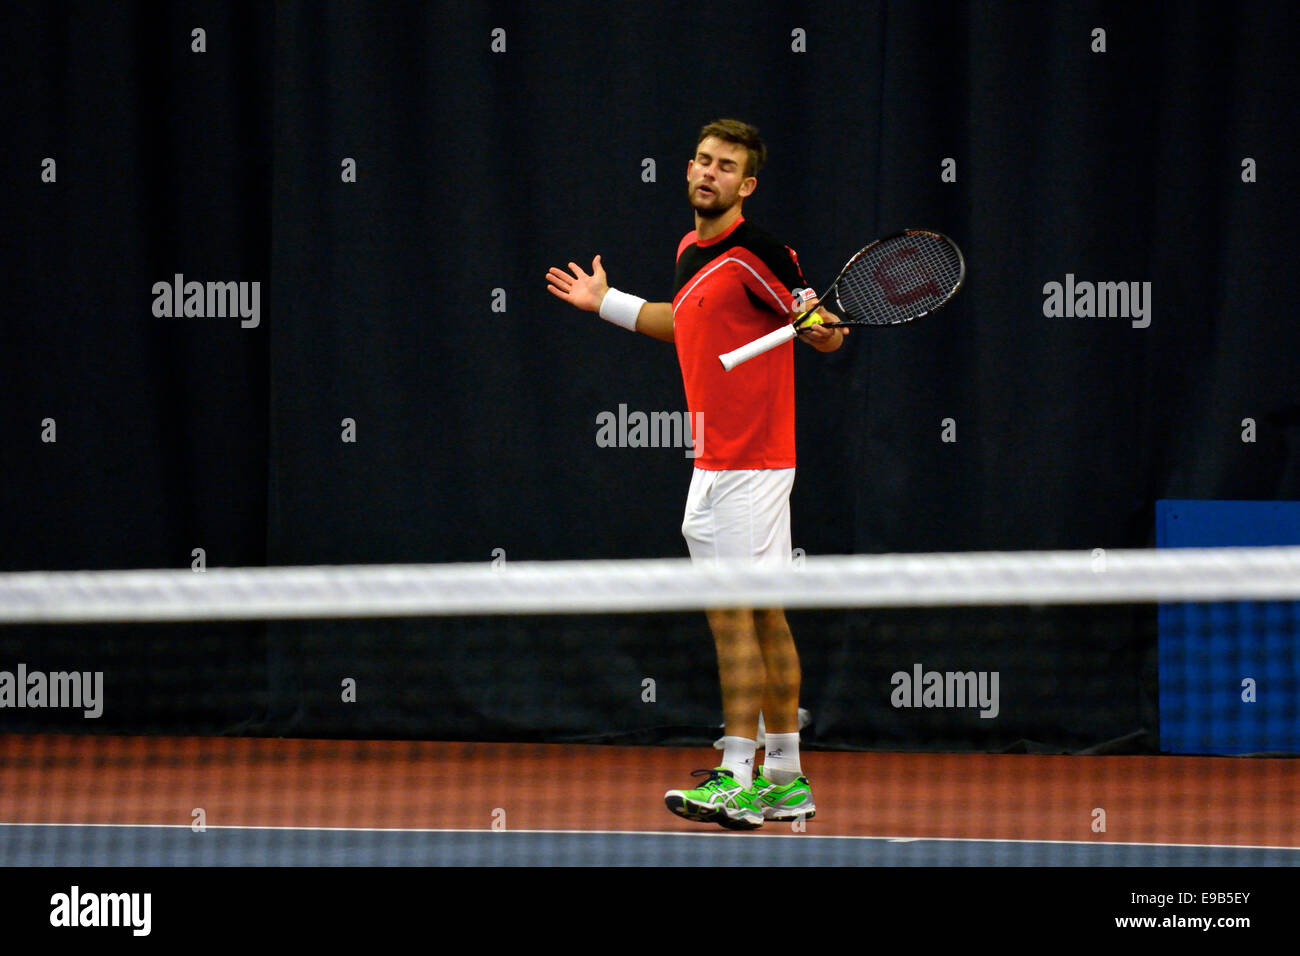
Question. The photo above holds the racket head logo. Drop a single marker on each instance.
(903, 278)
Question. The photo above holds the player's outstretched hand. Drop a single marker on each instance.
(576, 287)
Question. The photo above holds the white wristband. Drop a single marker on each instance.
(621, 308)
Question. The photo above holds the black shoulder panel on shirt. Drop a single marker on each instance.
(773, 254)
(776, 255)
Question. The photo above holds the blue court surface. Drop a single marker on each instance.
(46, 845)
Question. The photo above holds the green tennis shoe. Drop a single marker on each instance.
(789, 802)
(720, 799)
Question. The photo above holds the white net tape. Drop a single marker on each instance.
(891, 580)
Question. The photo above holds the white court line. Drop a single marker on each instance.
(667, 833)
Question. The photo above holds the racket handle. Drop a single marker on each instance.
(757, 347)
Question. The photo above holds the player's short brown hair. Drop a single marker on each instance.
(742, 134)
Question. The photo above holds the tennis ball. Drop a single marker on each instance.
(812, 320)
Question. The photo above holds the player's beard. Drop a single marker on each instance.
(716, 207)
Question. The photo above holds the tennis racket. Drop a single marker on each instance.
(894, 280)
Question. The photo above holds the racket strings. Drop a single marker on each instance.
(899, 279)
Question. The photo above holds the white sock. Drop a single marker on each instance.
(738, 758)
(781, 761)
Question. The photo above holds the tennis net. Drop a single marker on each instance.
(1123, 707)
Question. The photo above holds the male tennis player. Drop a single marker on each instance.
(733, 284)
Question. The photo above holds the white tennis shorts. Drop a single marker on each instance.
(739, 514)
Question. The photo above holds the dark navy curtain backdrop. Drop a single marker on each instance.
(410, 307)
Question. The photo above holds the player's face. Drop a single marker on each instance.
(715, 178)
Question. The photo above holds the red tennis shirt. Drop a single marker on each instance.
(728, 291)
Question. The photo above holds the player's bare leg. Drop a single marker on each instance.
(781, 663)
(740, 670)
(780, 787)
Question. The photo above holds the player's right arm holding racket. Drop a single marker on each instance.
(593, 294)
(894, 280)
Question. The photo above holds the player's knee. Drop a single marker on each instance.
(732, 625)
